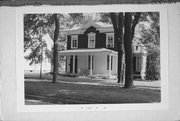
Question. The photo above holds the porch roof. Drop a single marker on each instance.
(87, 51)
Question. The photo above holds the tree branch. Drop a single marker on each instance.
(120, 22)
(114, 22)
(135, 22)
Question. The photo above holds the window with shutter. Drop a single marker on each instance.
(74, 41)
(110, 40)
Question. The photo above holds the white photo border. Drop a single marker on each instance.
(21, 107)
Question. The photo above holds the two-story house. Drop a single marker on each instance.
(91, 49)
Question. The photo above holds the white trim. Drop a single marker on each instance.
(110, 65)
(89, 24)
(162, 107)
(91, 35)
(73, 63)
(109, 34)
(87, 51)
(91, 71)
(66, 41)
(74, 36)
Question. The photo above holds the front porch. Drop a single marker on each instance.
(91, 61)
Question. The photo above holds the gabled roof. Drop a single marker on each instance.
(102, 27)
(89, 24)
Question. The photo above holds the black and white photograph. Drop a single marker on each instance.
(90, 62)
(92, 58)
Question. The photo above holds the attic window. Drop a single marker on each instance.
(74, 41)
(110, 40)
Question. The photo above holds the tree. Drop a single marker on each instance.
(124, 42)
(38, 25)
(55, 61)
(128, 37)
(150, 38)
(117, 21)
(105, 18)
(34, 30)
(128, 51)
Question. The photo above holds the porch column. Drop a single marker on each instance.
(90, 65)
(73, 63)
(110, 65)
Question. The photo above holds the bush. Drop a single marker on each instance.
(153, 64)
(66, 74)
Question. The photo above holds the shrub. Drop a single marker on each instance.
(153, 64)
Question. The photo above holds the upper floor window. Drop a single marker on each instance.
(91, 40)
(110, 40)
(74, 41)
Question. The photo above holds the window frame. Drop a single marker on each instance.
(89, 36)
(72, 39)
(107, 37)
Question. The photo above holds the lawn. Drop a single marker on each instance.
(86, 93)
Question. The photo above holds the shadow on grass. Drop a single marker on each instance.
(67, 93)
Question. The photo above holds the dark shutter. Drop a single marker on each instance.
(89, 62)
(107, 62)
(66, 63)
(76, 64)
(71, 64)
(92, 61)
(100, 40)
(68, 42)
(111, 62)
(82, 41)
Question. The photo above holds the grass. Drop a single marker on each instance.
(71, 93)
(83, 90)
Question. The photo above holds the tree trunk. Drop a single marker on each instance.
(41, 61)
(55, 54)
(117, 21)
(123, 69)
(120, 59)
(41, 56)
(121, 46)
(128, 51)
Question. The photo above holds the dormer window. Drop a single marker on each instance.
(109, 40)
(74, 41)
(91, 40)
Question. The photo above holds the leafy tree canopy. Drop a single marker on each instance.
(36, 26)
